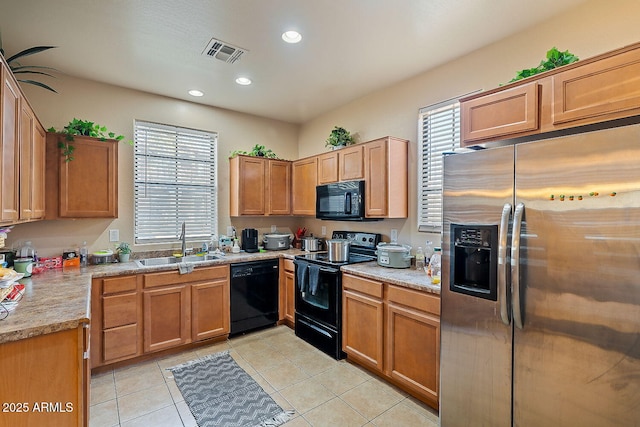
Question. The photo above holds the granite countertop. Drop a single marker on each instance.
(407, 277)
(60, 299)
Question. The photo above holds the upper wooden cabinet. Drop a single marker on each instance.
(351, 163)
(259, 186)
(304, 180)
(32, 165)
(328, 168)
(590, 91)
(386, 180)
(9, 147)
(85, 187)
(22, 152)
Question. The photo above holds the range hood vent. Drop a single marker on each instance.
(223, 51)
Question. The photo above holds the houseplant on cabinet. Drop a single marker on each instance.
(339, 137)
(77, 127)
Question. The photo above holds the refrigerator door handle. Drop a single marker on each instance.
(515, 265)
(504, 297)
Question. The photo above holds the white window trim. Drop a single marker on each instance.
(196, 156)
(430, 192)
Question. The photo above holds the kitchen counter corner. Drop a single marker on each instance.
(406, 277)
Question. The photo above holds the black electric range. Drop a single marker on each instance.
(318, 289)
(362, 248)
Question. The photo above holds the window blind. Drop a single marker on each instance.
(439, 129)
(175, 182)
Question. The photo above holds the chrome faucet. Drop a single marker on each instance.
(183, 237)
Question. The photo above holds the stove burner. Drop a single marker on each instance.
(323, 258)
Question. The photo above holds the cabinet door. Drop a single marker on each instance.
(507, 112)
(167, 317)
(279, 187)
(32, 165)
(328, 168)
(351, 163)
(376, 186)
(362, 321)
(602, 90)
(289, 289)
(210, 309)
(9, 153)
(304, 179)
(412, 350)
(247, 186)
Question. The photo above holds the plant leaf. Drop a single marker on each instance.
(30, 51)
(42, 85)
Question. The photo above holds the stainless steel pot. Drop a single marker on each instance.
(276, 241)
(394, 255)
(311, 244)
(338, 250)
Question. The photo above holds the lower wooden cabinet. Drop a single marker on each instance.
(287, 292)
(140, 314)
(412, 353)
(362, 321)
(167, 317)
(395, 332)
(45, 380)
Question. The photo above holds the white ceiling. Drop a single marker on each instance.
(349, 47)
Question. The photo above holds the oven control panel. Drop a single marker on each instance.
(359, 239)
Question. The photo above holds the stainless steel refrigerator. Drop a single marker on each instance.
(541, 283)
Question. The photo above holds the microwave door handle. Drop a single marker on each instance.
(504, 297)
(515, 266)
(347, 203)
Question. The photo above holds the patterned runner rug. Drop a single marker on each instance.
(220, 393)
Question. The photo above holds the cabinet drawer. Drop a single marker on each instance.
(174, 277)
(415, 299)
(510, 111)
(120, 342)
(119, 310)
(288, 265)
(365, 286)
(114, 285)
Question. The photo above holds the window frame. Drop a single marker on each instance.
(191, 175)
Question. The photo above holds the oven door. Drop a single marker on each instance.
(318, 292)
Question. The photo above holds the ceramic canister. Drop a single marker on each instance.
(23, 265)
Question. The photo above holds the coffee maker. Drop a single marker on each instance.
(250, 240)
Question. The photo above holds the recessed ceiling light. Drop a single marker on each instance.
(243, 81)
(291, 36)
(196, 92)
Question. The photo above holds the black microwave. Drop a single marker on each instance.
(340, 201)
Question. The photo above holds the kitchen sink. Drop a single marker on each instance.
(148, 262)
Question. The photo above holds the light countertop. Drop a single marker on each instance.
(60, 299)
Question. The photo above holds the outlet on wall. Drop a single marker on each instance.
(274, 228)
(324, 230)
(114, 235)
(394, 235)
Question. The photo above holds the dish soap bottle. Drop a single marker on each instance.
(236, 248)
(435, 266)
(419, 259)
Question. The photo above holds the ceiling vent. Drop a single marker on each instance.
(223, 51)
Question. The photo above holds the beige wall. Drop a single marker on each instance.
(592, 28)
(117, 108)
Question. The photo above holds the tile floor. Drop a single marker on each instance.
(321, 391)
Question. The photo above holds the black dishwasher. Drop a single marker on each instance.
(254, 295)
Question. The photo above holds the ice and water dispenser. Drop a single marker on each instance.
(474, 260)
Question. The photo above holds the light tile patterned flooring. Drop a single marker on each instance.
(321, 391)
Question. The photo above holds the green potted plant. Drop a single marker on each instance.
(339, 137)
(77, 127)
(17, 68)
(124, 251)
(554, 59)
(257, 151)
